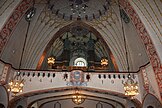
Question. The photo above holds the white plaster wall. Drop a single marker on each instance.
(115, 85)
(142, 91)
(42, 83)
(136, 50)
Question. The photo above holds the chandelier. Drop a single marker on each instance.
(77, 98)
(16, 85)
(131, 87)
(51, 60)
(104, 62)
(78, 7)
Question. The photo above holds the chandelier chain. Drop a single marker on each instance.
(22, 54)
(124, 38)
(16, 84)
(130, 87)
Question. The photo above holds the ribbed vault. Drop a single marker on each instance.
(45, 24)
(55, 46)
(145, 25)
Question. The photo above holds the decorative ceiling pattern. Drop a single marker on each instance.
(82, 9)
(145, 15)
(9, 27)
(6, 9)
(45, 24)
(152, 53)
(43, 30)
(110, 28)
(150, 13)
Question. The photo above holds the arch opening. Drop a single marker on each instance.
(77, 40)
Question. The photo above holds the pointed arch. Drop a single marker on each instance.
(146, 39)
(151, 101)
(67, 28)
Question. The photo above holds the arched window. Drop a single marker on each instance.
(80, 62)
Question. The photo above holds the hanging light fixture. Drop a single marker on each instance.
(51, 58)
(16, 84)
(77, 98)
(130, 86)
(104, 62)
(78, 7)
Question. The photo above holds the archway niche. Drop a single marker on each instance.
(150, 101)
(3, 97)
(77, 40)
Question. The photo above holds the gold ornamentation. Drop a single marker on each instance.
(16, 85)
(131, 87)
(51, 60)
(77, 98)
(104, 62)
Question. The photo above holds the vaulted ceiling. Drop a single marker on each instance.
(46, 24)
(53, 18)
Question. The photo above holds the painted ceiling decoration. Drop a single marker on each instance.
(154, 58)
(79, 9)
(45, 25)
(77, 32)
(13, 20)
